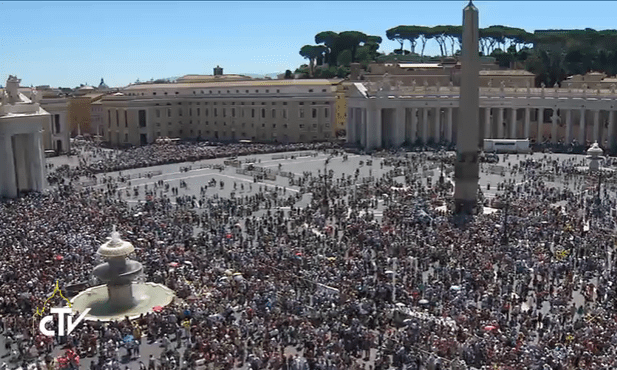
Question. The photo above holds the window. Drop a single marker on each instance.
(198, 112)
(126, 119)
(158, 113)
(314, 113)
(170, 134)
(301, 125)
(267, 91)
(310, 90)
(323, 90)
(168, 112)
(252, 113)
(158, 134)
(326, 112)
(117, 118)
(224, 112)
(274, 125)
(273, 113)
(158, 124)
(168, 123)
(191, 112)
(126, 138)
(285, 113)
(301, 113)
(285, 125)
(180, 112)
(57, 123)
(263, 113)
(215, 112)
(207, 112)
(278, 91)
(180, 132)
(233, 112)
(142, 118)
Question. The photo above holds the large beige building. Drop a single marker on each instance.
(222, 109)
(445, 73)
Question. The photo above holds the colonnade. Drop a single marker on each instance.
(375, 127)
(21, 163)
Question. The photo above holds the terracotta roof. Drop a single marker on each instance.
(243, 84)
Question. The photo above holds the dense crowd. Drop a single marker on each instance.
(98, 160)
(329, 286)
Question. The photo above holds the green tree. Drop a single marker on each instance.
(329, 39)
(312, 52)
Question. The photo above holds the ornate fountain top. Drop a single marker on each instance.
(595, 149)
(116, 247)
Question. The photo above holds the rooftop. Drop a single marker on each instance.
(249, 83)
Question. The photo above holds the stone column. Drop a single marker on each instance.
(611, 129)
(424, 125)
(364, 128)
(414, 125)
(581, 128)
(527, 120)
(449, 126)
(351, 125)
(500, 134)
(37, 166)
(399, 131)
(513, 128)
(554, 119)
(540, 124)
(487, 123)
(437, 120)
(596, 126)
(374, 128)
(568, 126)
(8, 185)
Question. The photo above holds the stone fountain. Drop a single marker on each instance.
(121, 295)
(594, 155)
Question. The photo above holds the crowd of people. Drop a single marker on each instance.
(330, 285)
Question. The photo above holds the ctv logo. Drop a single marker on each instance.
(64, 311)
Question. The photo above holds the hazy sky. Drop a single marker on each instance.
(68, 43)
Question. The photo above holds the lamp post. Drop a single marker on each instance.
(506, 209)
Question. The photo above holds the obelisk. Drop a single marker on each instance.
(466, 169)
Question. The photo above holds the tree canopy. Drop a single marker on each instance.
(551, 54)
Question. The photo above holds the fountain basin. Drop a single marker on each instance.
(145, 296)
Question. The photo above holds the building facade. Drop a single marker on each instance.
(386, 115)
(281, 111)
(22, 159)
(56, 131)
